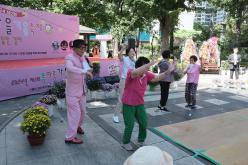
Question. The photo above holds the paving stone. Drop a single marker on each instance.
(150, 139)
(97, 104)
(188, 161)
(239, 98)
(182, 105)
(216, 101)
(3, 155)
(154, 111)
(175, 152)
(2, 138)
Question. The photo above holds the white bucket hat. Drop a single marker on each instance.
(149, 155)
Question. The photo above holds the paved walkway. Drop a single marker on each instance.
(102, 137)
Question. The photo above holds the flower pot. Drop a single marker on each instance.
(36, 139)
(50, 110)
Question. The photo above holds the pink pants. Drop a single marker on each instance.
(76, 108)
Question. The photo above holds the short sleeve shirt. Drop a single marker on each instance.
(135, 88)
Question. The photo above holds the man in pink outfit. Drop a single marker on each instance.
(75, 91)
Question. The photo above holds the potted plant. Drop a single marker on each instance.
(58, 89)
(36, 126)
(34, 111)
(51, 101)
(37, 103)
(93, 85)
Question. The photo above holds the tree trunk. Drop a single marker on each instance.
(115, 47)
(165, 32)
(172, 40)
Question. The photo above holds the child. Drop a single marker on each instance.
(193, 73)
(133, 99)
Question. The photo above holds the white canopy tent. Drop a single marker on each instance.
(86, 30)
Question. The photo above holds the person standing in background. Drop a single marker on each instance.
(164, 65)
(96, 51)
(75, 91)
(234, 63)
(193, 73)
(128, 63)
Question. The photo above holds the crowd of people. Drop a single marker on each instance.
(135, 77)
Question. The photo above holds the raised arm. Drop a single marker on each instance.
(141, 70)
(120, 55)
(161, 76)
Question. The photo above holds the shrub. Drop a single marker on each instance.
(96, 68)
(58, 89)
(36, 124)
(94, 85)
(37, 103)
(48, 99)
(34, 111)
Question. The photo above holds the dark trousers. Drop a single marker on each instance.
(236, 70)
(190, 93)
(164, 86)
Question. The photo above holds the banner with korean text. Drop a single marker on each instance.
(26, 81)
(32, 34)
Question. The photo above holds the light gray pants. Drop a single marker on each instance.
(118, 107)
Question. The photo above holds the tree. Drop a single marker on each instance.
(165, 11)
(125, 19)
(236, 9)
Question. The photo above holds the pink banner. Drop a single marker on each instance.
(26, 81)
(31, 34)
(109, 67)
(22, 81)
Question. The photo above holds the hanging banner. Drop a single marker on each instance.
(32, 34)
(26, 81)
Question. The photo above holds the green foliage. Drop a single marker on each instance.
(152, 85)
(224, 65)
(237, 12)
(58, 89)
(155, 69)
(94, 85)
(34, 111)
(36, 124)
(185, 34)
(96, 68)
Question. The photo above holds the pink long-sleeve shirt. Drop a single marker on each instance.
(193, 73)
(75, 83)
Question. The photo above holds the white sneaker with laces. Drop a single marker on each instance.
(116, 119)
(127, 147)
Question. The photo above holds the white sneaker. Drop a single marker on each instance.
(116, 119)
(127, 147)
